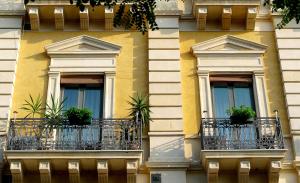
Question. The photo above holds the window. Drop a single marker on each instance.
(228, 94)
(88, 95)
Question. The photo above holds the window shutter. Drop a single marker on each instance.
(82, 79)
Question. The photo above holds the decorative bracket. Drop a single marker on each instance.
(102, 169)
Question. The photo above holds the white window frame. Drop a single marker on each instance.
(230, 55)
(84, 55)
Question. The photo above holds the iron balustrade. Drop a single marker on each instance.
(105, 134)
(221, 134)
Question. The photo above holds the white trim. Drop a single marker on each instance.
(100, 58)
(244, 57)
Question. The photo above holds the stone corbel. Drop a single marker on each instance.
(201, 18)
(243, 171)
(102, 169)
(34, 18)
(109, 15)
(132, 166)
(226, 18)
(251, 17)
(59, 18)
(45, 171)
(212, 171)
(16, 171)
(84, 19)
(74, 171)
(274, 169)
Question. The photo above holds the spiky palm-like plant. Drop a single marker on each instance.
(33, 106)
(54, 111)
(140, 105)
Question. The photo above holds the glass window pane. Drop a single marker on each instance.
(93, 101)
(221, 101)
(243, 95)
(71, 95)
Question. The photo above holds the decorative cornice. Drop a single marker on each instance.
(93, 45)
(240, 46)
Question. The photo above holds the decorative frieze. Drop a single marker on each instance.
(226, 18)
(16, 171)
(212, 171)
(34, 18)
(59, 18)
(84, 19)
(201, 18)
(74, 171)
(102, 169)
(251, 17)
(45, 171)
(243, 171)
(109, 15)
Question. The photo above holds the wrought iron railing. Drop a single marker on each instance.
(221, 134)
(106, 134)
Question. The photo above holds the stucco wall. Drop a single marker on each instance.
(190, 91)
(32, 74)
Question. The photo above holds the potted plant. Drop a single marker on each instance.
(241, 115)
(77, 116)
(139, 110)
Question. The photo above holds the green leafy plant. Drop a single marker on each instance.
(54, 111)
(139, 105)
(241, 115)
(78, 116)
(33, 106)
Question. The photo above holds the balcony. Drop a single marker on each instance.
(105, 146)
(107, 134)
(259, 143)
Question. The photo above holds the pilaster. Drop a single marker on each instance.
(109, 99)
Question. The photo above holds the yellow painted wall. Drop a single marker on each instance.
(32, 68)
(190, 85)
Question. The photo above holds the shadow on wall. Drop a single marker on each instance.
(167, 149)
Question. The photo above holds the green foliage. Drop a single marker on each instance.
(240, 115)
(139, 104)
(54, 111)
(141, 13)
(289, 9)
(33, 106)
(78, 116)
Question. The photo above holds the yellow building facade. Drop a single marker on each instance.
(207, 57)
